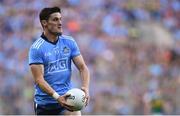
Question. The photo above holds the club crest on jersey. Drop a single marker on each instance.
(66, 50)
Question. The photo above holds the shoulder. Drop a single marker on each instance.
(38, 43)
(67, 38)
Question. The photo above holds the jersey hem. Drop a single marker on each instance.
(76, 55)
(35, 63)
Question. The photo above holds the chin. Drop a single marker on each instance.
(59, 33)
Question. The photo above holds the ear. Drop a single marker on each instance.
(44, 23)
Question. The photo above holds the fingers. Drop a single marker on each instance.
(86, 95)
(68, 107)
(87, 100)
(63, 103)
(66, 95)
(84, 89)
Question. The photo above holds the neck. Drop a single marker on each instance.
(51, 37)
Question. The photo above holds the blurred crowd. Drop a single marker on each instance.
(132, 49)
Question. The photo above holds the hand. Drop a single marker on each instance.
(62, 100)
(86, 91)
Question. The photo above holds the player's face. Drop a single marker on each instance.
(54, 24)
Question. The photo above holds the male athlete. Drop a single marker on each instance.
(50, 59)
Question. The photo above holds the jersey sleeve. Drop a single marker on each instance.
(35, 56)
(75, 50)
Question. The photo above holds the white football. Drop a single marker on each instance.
(77, 98)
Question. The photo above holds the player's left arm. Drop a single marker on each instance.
(84, 74)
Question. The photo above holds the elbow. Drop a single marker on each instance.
(39, 81)
(83, 68)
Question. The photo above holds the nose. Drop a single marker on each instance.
(59, 21)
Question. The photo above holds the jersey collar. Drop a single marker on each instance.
(46, 39)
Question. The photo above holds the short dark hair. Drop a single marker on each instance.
(46, 12)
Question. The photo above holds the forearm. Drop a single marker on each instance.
(84, 72)
(45, 87)
(38, 72)
(85, 77)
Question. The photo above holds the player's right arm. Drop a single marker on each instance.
(37, 72)
(37, 69)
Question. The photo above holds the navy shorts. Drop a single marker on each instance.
(49, 109)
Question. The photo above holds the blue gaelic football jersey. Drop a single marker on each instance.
(56, 58)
